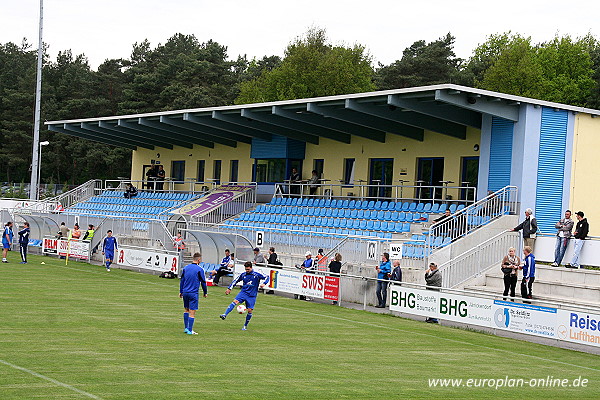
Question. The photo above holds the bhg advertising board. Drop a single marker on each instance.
(147, 259)
(507, 315)
(312, 285)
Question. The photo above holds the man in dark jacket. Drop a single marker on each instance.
(581, 231)
(396, 272)
(529, 227)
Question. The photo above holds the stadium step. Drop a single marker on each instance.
(536, 295)
(559, 283)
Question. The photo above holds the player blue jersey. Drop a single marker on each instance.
(9, 232)
(109, 244)
(192, 277)
(225, 262)
(251, 282)
(24, 236)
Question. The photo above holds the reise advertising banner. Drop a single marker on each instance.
(529, 319)
(74, 248)
(155, 260)
(217, 197)
(312, 285)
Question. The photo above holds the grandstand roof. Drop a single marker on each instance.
(446, 109)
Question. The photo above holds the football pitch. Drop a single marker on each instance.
(77, 332)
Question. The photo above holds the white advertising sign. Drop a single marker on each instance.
(148, 259)
(74, 248)
(578, 327)
(312, 285)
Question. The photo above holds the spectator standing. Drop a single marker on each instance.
(63, 232)
(528, 273)
(396, 272)
(273, 260)
(335, 266)
(295, 182)
(76, 232)
(510, 267)
(581, 231)
(130, 191)
(89, 234)
(529, 227)
(160, 178)
(314, 183)
(433, 280)
(321, 260)
(564, 226)
(178, 242)
(7, 238)
(24, 242)
(258, 258)
(383, 273)
(151, 178)
(192, 276)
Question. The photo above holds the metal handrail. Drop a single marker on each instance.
(480, 213)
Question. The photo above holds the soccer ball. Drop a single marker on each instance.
(241, 308)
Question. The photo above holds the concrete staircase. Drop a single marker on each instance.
(554, 284)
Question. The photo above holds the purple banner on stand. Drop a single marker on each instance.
(214, 200)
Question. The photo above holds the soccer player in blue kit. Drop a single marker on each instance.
(192, 277)
(109, 246)
(250, 285)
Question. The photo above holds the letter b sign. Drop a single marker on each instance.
(260, 239)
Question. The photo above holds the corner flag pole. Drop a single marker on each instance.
(68, 248)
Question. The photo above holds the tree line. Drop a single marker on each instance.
(186, 73)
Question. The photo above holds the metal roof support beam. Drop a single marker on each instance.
(456, 115)
(135, 136)
(155, 133)
(88, 127)
(185, 135)
(481, 105)
(409, 118)
(368, 121)
(207, 130)
(226, 126)
(204, 132)
(341, 126)
(270, 118)
(89, 136)
(274, 130)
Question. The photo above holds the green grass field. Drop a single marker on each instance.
(77, 331)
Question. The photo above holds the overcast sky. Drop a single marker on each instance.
(108, 28)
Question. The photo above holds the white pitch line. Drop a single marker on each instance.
(384, 327)
(58, 383)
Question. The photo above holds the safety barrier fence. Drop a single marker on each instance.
(478, 259)
(476, 215)
(416, 193)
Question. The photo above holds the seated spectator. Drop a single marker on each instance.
(308, 266)
(273, 260)
(258, 258)
(444, 217)
(225, 268)
(396, 272)
(130, 191)
(510, 267)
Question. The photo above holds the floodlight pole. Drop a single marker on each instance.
(35, 159)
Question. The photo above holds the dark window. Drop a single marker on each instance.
(318, 166)
(217, 171)
(178, 170)
(349, 171)
(271, 170)
(233, 171)
(430, 172)
(201, 168)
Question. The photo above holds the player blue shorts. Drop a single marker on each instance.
(190, 301)
(5, 244)
(109, 255)
(244, 298)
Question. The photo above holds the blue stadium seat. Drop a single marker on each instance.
(420, 207)
(375, 225)
(427, 208)
(377, 205)
(371, 205)
(442, 208)
(405, 206)
(452, 208)
(435, 208)
(406, 227)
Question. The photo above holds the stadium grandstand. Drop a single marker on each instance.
(435, 174)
